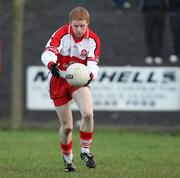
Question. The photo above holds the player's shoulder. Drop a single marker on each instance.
(63, 30)
(93, 35)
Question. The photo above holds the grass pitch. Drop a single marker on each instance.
(119, 154)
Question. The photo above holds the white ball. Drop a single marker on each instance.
(80, 74)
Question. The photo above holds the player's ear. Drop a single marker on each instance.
(87, 22)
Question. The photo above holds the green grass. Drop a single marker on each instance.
(119, 154)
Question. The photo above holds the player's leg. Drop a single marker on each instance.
(83, 99)
(65, 134)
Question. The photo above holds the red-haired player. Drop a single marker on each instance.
(73, 43)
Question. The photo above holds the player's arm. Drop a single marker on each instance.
(93, 58)
(50, 55)
(49, 58)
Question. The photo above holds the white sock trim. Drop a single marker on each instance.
(68, 158)
(85, 150)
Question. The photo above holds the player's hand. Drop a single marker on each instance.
(55, 71)
(58, 73)
(89, 81)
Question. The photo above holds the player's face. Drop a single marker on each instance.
(79, 27)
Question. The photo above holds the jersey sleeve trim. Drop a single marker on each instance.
(52, 49)
(50, 64)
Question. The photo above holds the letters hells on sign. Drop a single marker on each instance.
(138, 76)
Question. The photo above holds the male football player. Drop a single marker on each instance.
(74, 42)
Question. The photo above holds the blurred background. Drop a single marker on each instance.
(146, 89)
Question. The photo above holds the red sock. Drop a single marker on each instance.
(66, 149)
(86, 139)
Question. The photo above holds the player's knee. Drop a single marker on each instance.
(67, 130)
(87, 115)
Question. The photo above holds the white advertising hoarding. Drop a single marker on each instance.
(116, 89)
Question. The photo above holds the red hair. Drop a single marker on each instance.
(79, 13)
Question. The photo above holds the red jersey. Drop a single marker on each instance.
(64, 48)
